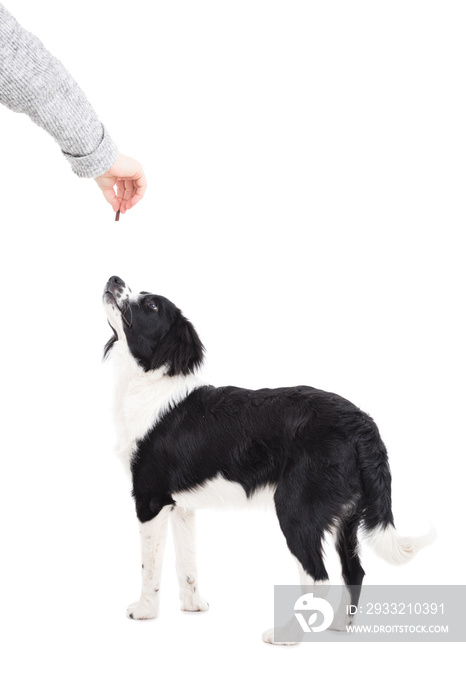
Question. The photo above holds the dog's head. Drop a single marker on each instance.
(155, 331)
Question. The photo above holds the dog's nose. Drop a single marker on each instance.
(115, 285)
(115, 281)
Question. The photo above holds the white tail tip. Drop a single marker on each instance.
(395, 548)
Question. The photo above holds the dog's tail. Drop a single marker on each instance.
(395, 548)
(377, 516)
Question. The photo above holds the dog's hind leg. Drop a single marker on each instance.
(290, 630)
(304, 522)
(306, 580)
(353, 573)
(304, 536)
(153, 536)
(183, 528)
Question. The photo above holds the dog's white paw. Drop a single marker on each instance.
(143, 609)
(340, 624)
(192, 602)
(269, 638)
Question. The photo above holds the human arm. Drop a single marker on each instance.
(34, 82)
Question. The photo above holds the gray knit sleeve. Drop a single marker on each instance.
(35, 82)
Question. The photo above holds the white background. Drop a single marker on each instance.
(306, 167)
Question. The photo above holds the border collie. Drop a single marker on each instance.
(187, 444)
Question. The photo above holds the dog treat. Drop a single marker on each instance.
(117, 216)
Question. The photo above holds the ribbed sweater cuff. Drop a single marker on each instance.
(95, 163)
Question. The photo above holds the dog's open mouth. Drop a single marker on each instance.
(124, 309)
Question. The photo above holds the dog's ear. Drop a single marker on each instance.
(180, 349)
(110, 343)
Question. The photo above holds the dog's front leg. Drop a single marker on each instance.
(153, 536)
(185, 550)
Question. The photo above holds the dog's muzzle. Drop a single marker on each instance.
(115, 287)
(117, 293)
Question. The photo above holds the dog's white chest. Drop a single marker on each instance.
(142, 398)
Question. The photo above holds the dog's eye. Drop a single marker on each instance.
(152, 305)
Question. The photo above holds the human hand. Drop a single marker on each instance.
(128, 177)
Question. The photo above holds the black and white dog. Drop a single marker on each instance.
(317, 456)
